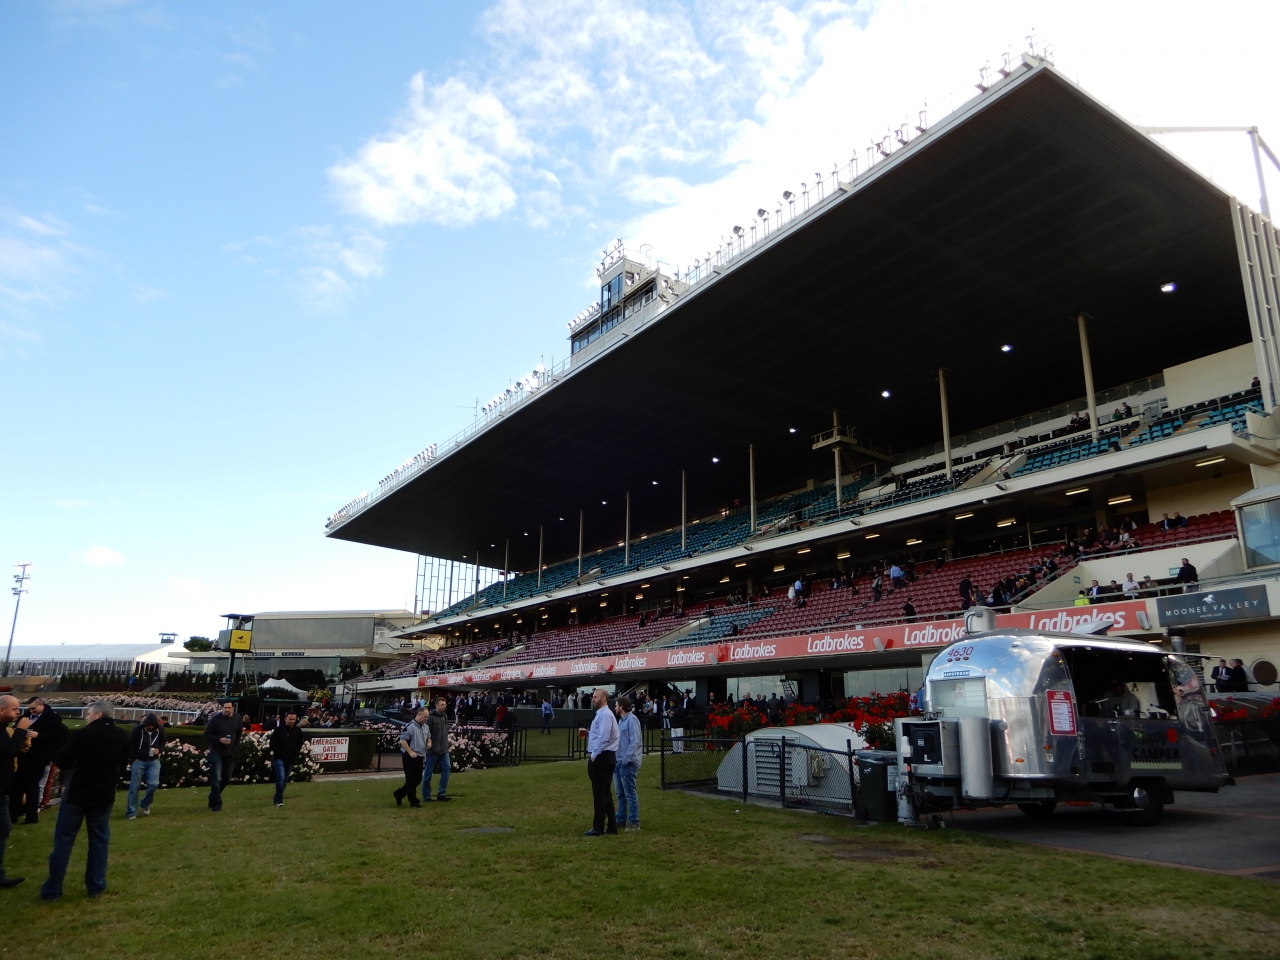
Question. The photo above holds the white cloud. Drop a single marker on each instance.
(448, 160)
(103, 557)
(144, 294)
(189, 586)
(322, 263)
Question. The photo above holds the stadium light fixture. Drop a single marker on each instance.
(1168, 287)
(715, 459)
(655, 483)
(1006, 523)
(603, 503)
(843, 556)
(885, 394)
(803, 550)
(1006, 348)
(1072, 493)
(872, 536)
(791, 430)
(1210, 462)
(1116, 501)
(779, 567)
(724, 579)
(913, 541)
(742, 564)
(963, 516)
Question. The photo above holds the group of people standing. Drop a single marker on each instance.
(615, 750)
(1229, 676)
(424, 748)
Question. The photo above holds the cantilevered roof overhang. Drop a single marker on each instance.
(1028, 206)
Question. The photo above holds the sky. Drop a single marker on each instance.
(252, 257)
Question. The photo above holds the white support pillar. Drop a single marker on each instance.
(751, 465)
(684, 511)
(540, 557)
(582, 523)
(506, 567)
(835, 423)
(1088, 375)
(626, 536)
(946, 418)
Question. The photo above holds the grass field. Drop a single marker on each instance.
(342, 872)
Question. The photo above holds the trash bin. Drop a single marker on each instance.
(878, 785)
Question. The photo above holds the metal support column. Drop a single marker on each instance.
(946, 419)
(626, 535)
(506, 567)
(684, 510)
(835, 422)
(1257, 164)
(582, 523)
(540, 557)
(477, 590)
(1088, 375)
(751, 464)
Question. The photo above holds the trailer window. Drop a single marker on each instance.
(1095, 672)
(959, 698)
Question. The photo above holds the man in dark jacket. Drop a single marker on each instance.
(437, 754)
(222, 733)
(146, 743)
(286, 744)
(92, 763)
(51, 734)
(12, 743)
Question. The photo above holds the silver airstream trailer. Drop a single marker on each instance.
(1034, 719)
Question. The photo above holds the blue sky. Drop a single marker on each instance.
(251, 258)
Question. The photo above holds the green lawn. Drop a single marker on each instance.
(342, 872)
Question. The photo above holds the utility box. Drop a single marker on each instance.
(878, 785)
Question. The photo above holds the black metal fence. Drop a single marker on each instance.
(779, 769)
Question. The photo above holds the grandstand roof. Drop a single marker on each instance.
(1028, 205)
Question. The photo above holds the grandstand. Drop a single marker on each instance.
(980, 358)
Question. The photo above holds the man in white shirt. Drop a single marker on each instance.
(1130, 585)
(602, 755)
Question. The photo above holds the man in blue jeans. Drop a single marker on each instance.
(222, 733)
(286, 744)
(93, 762)
(145, 745)
(630, 753)
(437, 751)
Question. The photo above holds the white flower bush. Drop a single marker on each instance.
(186, 765)
(157, 704)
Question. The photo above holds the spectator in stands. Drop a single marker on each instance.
(1126, 411)
(630, 755)
(1095, 592)
(286, 744)
(414, 740)
(94, 759)
(1178, 521)
(1130, 586)
(1117, 415)
(1128, 525)
(909, 610)
(1256, 384)
(966, 593)
(1165, 523)
(602, 754)
(1149, 586)
(877, 588)
(1187, 575)
(1082, 600)
(896, 576)
(437, 754)
(222, 734)
(1220, 675)
(145, 743)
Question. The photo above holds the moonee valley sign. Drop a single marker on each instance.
(1214, 606)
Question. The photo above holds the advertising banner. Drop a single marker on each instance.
(1215, 606)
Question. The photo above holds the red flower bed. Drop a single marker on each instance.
(872, 717)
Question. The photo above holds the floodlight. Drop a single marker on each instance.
(787, 194)
(738, 231)
(762, 214)
(1168, 287)
(1006, 348)
(791, 430)
(885, 394)
(715, 459)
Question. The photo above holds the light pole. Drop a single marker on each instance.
(1255, 139)
(20, 579)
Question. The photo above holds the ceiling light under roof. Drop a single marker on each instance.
(1006, 523)
(1072, 493)
(803, 550)
(779, 567)
(843, 556)
(913, 541)
(1006, 348)
(872, 536)
(1168, 287)
(886, 394)
(724, 579)
(715, 459)
(791, 430)
(1116, 501)
(1210, 462)
(742, 564)
(963, 516)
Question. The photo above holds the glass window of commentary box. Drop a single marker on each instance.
(1261, 523)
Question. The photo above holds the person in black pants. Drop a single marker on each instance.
(602, 756)
(415, 739)
(12, 745)
(51, 734)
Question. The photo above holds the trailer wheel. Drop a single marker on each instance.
(1147, 809)
(1038, 808)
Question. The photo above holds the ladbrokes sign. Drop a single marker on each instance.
(1214, 606)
